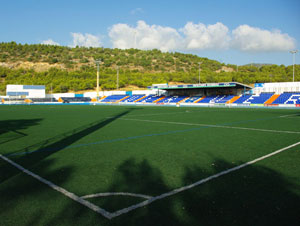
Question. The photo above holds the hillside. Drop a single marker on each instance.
(75, 58)
(73, 69)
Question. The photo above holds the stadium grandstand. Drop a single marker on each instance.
(206, 94)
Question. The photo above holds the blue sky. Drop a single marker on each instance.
(231, 31)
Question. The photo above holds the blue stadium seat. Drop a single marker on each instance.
(208, 99)
(192, 99)
(253, 99)
(260, 99)
(172, 99)
(224, 99)
(242, 99)
(288, 98)
(113, 98)
(132, 98)
(150, 99)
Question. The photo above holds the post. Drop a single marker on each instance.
(51, 93)
(293, 67)
(117, 77)
(294, 53)
(135, 33)
(98, 68)
(199, 70)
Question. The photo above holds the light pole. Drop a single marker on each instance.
(199, 70)
(294, 53)
(98, 62)
(117, 77)
(51, 93)
(135, 33)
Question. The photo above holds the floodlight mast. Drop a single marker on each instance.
(199, 70)
(98, 62)
(294, 53)
(135, 33)
(117, 77)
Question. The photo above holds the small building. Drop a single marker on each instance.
(25, 91)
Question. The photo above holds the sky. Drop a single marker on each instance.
(230, 31)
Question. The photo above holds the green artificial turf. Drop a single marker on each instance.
(150, 151)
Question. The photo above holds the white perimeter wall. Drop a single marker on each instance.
(108, 93)
(278, 87)
(103, 93)
(58, 95)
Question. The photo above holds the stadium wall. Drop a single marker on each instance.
(101, 94)
(58, 95)
(109, 93)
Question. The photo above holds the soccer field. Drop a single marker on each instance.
(122, 165)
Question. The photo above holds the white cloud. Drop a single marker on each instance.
(86, 40)
(144, 36)
(136, 11)
(246, 38)
(195, 37)
(50, 42)
(199, 36)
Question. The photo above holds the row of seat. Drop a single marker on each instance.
(113, 98)
(151, 99)
(172, 99)
(133, 98)
(288, 98)
(263, 98)
(284, 98)
(224, 99)
(259, 99)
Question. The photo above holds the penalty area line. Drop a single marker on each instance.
(214, 126)
(184, 188)
(116, 194)
(287, 116)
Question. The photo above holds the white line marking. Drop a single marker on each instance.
(116, 193)
(158, 114)
(216, 126)
(151, 199)
(155, 114)
(60, 189)
(283, 116)
(175, 191)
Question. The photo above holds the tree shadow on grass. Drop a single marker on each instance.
(23, 190)
(254, 195)
(26, 201)
(134, 177)
(42, 150)
(15, 125)
(9, 129)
